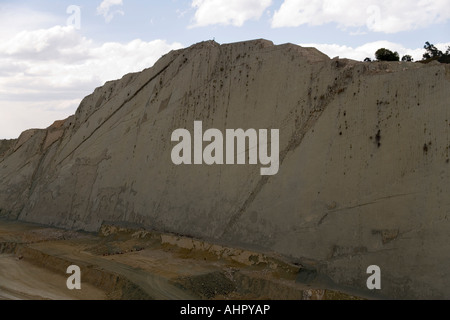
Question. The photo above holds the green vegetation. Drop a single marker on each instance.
(407, 58)
(434, 54)
(386, 55)
(431, 54)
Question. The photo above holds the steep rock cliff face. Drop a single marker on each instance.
(364, 161)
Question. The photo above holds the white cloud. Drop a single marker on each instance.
(104, 9)
(380, 16)
(45, 73)
(16, 18)
(48, 44)
(228, 12)
(368, 50)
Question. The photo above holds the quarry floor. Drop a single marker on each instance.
(130, 264)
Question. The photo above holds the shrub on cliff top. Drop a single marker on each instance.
(386, 55)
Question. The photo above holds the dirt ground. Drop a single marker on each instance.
(130, 264)
(21, 280)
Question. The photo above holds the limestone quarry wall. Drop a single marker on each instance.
(364, 161)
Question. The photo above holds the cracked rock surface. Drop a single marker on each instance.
(364, 161)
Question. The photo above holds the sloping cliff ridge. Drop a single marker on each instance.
(364, 161)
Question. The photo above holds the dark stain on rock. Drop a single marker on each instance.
(378, 138)
(164, 104)
(387, 235)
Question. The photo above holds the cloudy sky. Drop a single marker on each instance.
(53, 53)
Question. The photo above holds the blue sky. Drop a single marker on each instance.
(51, 58)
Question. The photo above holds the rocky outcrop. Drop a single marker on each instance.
(6, 146)
(364, 161)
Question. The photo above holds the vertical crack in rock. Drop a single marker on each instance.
(42, 154)
(339, 85)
